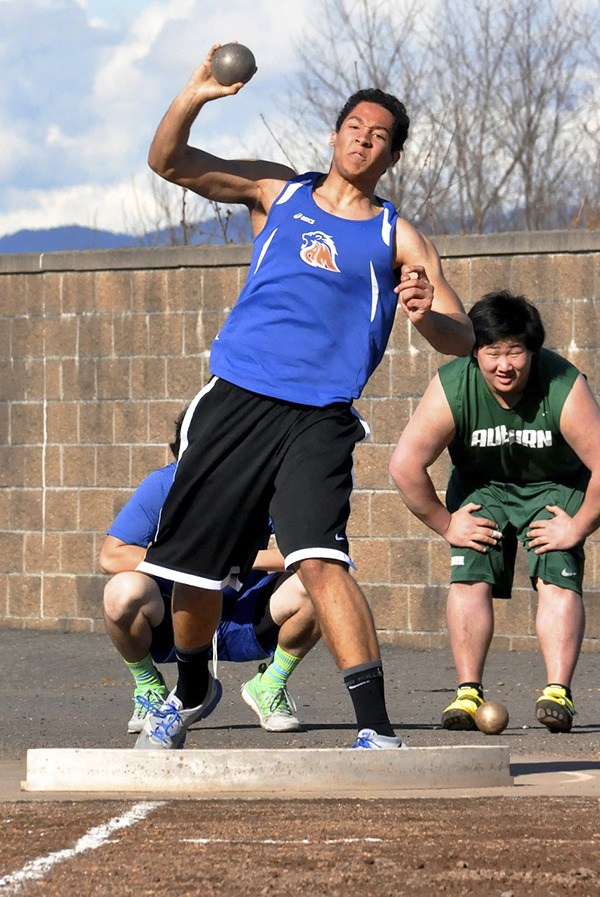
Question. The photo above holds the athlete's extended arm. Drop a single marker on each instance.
(117, 556)
(427, 434)
(425, 295)
(580, 426)
(253, 183)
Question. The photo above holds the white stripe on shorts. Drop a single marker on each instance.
(190, 579)
(324, 553)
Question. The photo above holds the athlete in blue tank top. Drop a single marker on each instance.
(274, 432)
(310, 294)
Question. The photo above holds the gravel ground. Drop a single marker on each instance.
(72, 690)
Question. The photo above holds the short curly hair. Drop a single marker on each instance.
(389, 102)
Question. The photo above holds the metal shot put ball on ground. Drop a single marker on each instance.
(491, 717)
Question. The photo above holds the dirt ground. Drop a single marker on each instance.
(71, 691)
(503, 846)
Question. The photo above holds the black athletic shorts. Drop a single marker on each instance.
(244, 458)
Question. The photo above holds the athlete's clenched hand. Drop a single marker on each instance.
(415, 292)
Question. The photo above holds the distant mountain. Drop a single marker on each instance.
(74, 237)
(58, 239)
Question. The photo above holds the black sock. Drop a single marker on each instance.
(477, 685)
(192, 682)
(365, 685)
(266, 629)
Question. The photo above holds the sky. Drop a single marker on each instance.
(85, 82)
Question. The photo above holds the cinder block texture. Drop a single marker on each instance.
(100, 351)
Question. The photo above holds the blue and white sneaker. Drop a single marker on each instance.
(368, 739)
(166, 726)
(144, 701)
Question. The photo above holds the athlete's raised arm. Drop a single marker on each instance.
(254, 183)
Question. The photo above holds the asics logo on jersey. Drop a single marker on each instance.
(494, 436)
(318, 250)
(302, 217)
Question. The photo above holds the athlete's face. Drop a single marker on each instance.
(505, 367)
(363, 142)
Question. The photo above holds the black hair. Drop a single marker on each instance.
(174, 446)
(502, 315)
(389, 102)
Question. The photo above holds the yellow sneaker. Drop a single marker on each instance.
(555, 709)
(460, 714)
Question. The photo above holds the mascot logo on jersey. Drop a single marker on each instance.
(318, 250)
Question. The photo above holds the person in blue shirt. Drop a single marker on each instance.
(273, 432)
(269, 616)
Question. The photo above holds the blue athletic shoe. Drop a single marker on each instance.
(368, 739)
(166, 726)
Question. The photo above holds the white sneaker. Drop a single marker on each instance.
(274, 707)
(144, 702)
(166, 726)
(367, 739)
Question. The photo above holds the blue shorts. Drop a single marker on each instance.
(236, 637)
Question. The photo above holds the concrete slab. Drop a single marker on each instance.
(323, 772)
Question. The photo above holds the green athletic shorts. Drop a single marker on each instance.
(513, 508)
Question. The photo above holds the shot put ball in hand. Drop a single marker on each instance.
(232, 63)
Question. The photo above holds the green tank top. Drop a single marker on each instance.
(522, 444)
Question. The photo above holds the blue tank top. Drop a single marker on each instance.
(315, 314)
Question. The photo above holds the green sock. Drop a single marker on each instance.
(145, 674)
(280, 669)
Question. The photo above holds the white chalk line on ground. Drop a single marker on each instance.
(578, 776)
(283, 841)
(96, 837)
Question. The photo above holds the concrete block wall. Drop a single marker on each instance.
(99, 351)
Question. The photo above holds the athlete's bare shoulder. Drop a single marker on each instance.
(271, 186)
(412, 246)
(265, 192)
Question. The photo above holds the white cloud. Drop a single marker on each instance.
(87, 205)
(122, 68)
(85, 83)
